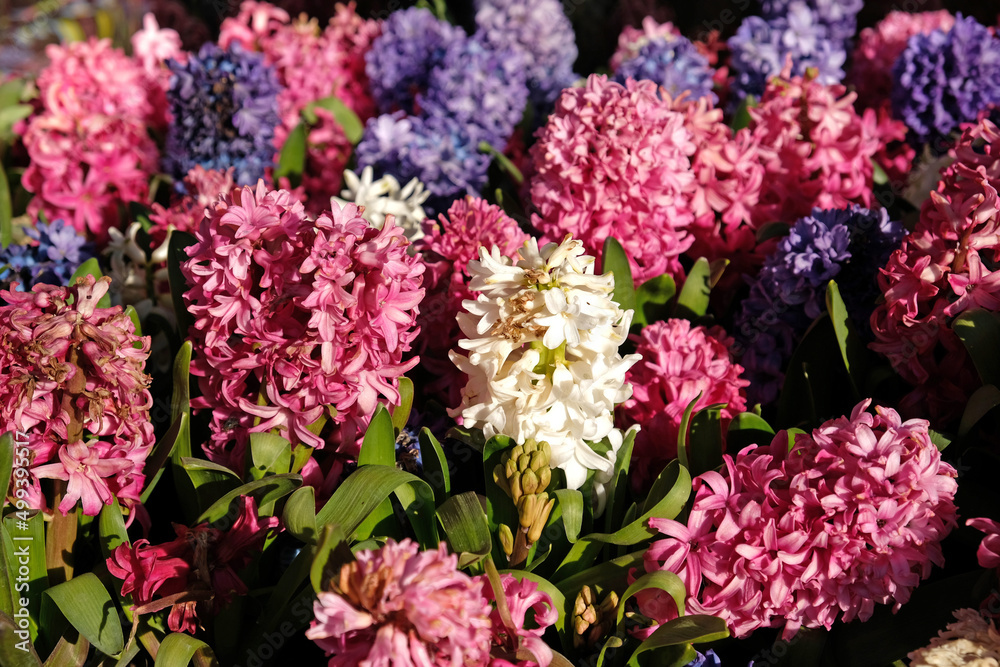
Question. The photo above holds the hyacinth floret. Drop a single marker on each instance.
(839, 17)
(72, 379)
(224, 105)
(297, 314)
(541, 32)
(55, 251)
(673, 63)
(542, 341)
(382, 197)
(943, 79)
(850, 517)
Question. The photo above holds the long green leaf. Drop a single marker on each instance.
(816, 385)
(747, 429)
(570, 502)
(177, 649)
(26, 532)
(435, 464)
(15, 651)
(706, 440)
(6, 210)
(379, 444)
(206, 481)
(465, 526)
(614, 260)
(267, 490)
(852, 349)
(692, 302)
(652, 299)
(269, 452)
(176, 255)
(331, 554)
(180, 401)
(292, 160)
(71, 651)
(618, 488)
(682, 433)
(668, 582)
(401, 412)
(979, 331)
(681, 632)
(8, 445)
(111, 528)
(299, 517)
(499, 507)
(983, 401)
(179, 429)
(85, 603)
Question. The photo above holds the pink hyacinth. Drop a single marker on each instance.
(632, 39)
(447, 249)
(615, 160)
(71, 378)
(294, 315)
(199, 567)
(402, 606)
(939, 272)
(816, 150)
(879, 47)
(186, 211)
(988, 553)
(850, 517)
(522, 596)
(312, 64)
(89, 146)
(679, 363)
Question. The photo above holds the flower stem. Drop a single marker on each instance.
(59, 540)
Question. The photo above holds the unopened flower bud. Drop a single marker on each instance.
(506, 539)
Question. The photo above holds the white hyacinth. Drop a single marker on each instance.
(971, 642)
(542, 339)
(385, 197)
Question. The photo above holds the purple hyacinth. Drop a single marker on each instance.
(673, 63)
(224, 106)
(944, 79)
(541, 31)
(848, 245)
(761, 47)
(840, 17)
(478, 85)
(401, 59)
(58, 250)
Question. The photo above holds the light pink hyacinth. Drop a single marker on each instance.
(402, 606)
(852, 516)
(89, 144)
(615, 160)
(72, 379)
(294, 315)
(522, 596)
(679, 362)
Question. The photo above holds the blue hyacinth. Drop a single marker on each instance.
(58, 250)
(673, 63)
(225, 108)
(839, 17)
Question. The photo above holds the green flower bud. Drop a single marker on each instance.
(506, 539)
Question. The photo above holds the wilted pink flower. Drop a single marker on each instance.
(522, 596)
(679, 363)
(852, 516)
(447, 249)
(72, 379)
(402, 606)
(615, 160)
(294, 315)
(89, 145)
(196, 573)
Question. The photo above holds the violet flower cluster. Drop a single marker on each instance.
(674, 63)
(224, 105)
(849, 245)
(54, 252)
(943, 79)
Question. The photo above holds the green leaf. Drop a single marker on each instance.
(366, 488)
(706, 440)
(618, 488)
(267, 490)
(292, 160)
(177, 246)
(984, 400)
(179, 430)
(682, 632)
(668, 582)
(772, 230)
(331, 554)
(177, 650)
(692, 302)
(111, 528)
(852, 349)
(15, 651)
(682, 433)
(379, 444)
(401, 412)
(742, 116)
(816, 384)
(7, 447)
(570, 502)
(747, 429)
(21, 536)
(269, 452)
(69, 30)
(435, 464)
(180, 401)
(980, 333)
(134, 316)
(207, 482)
(652, 299)
(85, 603)
(71, 651)
(465, 526)
(615, 261)
(500, 508)
(6, 210)
(940, 440)
(503, 161)
(299, 516)
(347, 119)
(879, 177)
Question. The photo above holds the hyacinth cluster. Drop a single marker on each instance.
(942, 269)
(680, 364)
(466, 92)
(632, 39)
(401, 604)
(196, 573)
(879, 47)
(447, 249)
(311, 64)
(945, 78)
(542, 339)
(225, 108)
(849, 245)
(816, 150)
(851, 516)
(798, 34)
(541, 33)
(972, 641)
(293, 316)
(187, 208)
(674, 63)
(51, 254)
(88, 143)
(381, 197)
(72, 379)
(615, 160)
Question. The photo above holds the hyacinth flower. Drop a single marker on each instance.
(196, 574)
(971, 640)
(384, 196)
(54, 252)
(542, 341)
(72, 379)
(850, 517)
(675, 64)
(293, 315)
(847, 245)
(224, 108)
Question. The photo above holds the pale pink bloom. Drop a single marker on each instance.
(522, 596)
(153, 45)
(402, 606)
